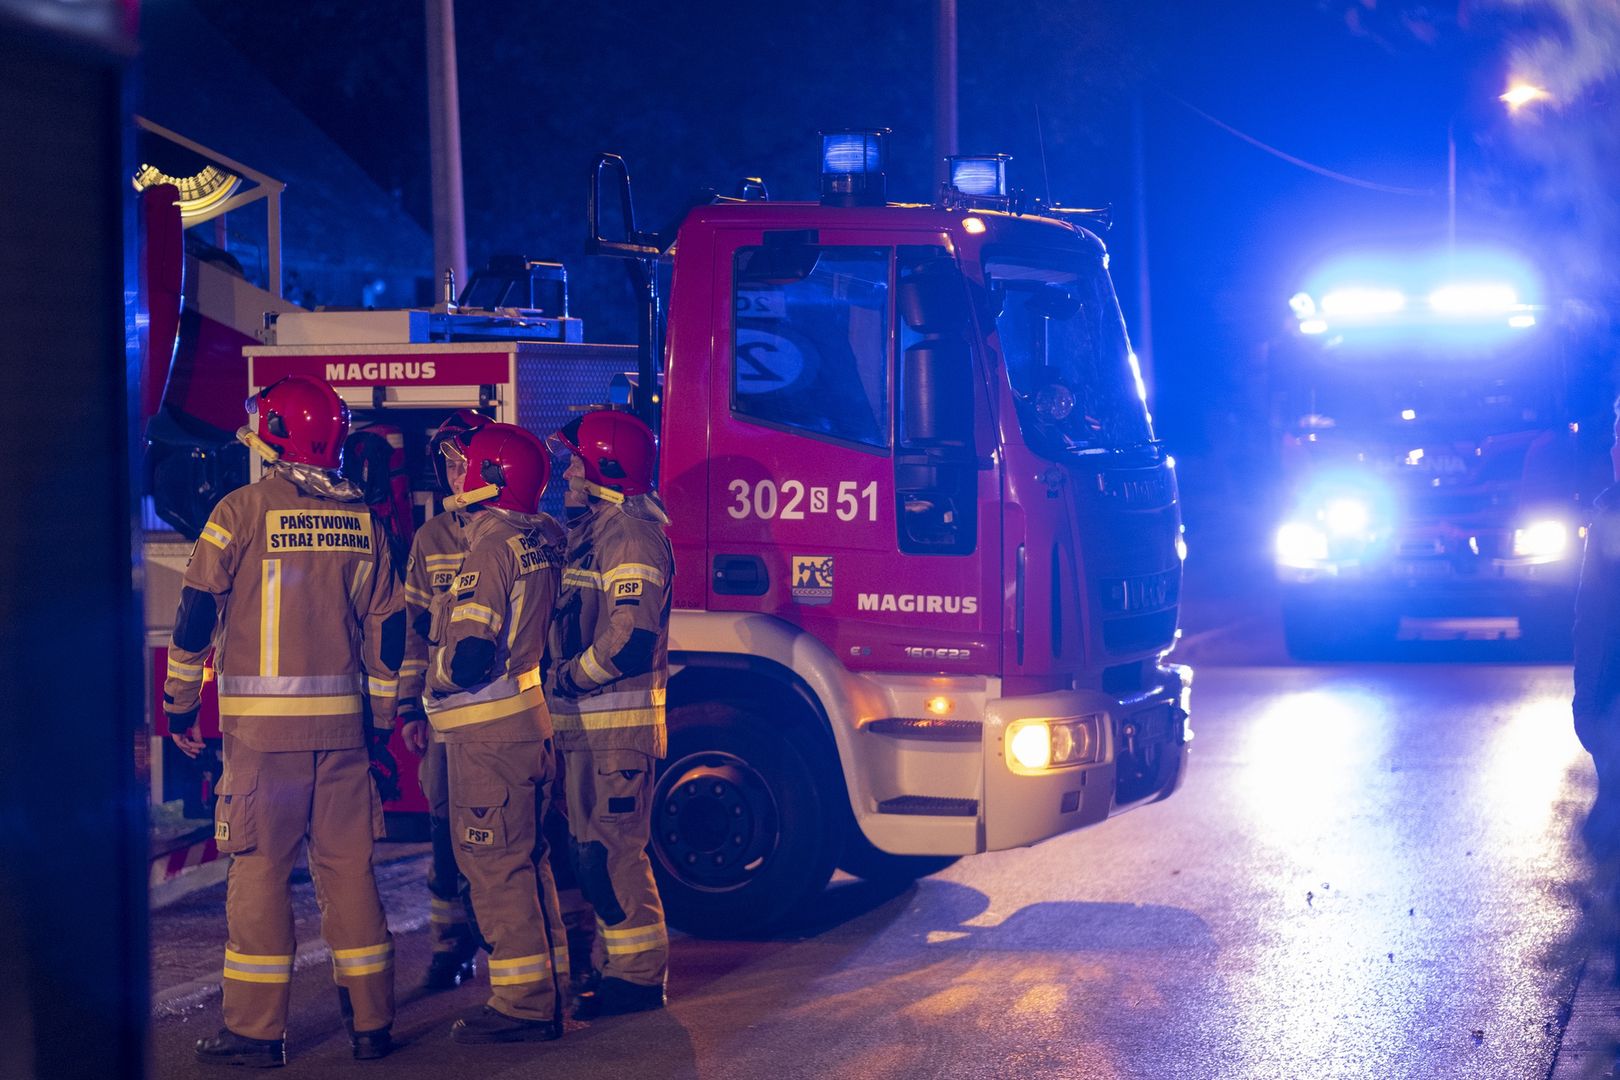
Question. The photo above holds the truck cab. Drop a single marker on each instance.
(927, 547)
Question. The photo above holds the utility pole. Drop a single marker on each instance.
(1144, 292)
(944, 86)
(444, 143)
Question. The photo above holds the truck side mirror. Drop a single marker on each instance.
(936, 388)
(933, 299)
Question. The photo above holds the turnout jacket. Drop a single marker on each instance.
(1597, 631)
(292, 587)
(487, 632)
(610, 638)
(437, 551)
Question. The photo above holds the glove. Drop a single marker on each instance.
(384, 766)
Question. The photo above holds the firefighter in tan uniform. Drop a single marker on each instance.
(435, 559)
(487, 635)
(292, 587)
(609, 657)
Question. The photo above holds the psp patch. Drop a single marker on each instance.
(222, 830)
(483, 837)
(627, 590)
(812, 579)
(467, 581)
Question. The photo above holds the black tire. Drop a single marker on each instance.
(865, 860)
(741, 840)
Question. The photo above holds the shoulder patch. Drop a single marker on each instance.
(466, 581)
(530, 555)
(627, 590)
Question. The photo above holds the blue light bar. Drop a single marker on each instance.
(852, 167)
(981, 174)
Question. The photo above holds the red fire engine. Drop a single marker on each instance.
(928, 552)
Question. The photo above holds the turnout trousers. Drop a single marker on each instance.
(497, 790)
(609, 817)
(270, 803)
(451, 923)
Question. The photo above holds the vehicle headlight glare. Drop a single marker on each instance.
(1346, 517)
(1031, 745)
(1541, 540)
(1038, 745)
(1300, 544)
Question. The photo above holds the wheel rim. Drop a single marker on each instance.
(715, 822)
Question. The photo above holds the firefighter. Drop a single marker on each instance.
(292, 587)
(609, 654)
(487, 635)
(435, 559)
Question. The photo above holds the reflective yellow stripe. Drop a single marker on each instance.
(333, 705)
(528, 680)
(382, 687)
(476, 613)
(589, 579)
(520, 969)
(607, 721)
(270, 617)
(439, 562)
(187, 672)
(215, 535)
(246, 967)
(366, 960)
(633, 572)
(413, 667)
(420, 595)
(362, 574)
(593, 668)
(559, 960)
(518, 592)
(451, 719)
(622, 942)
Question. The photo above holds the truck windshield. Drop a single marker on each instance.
(1463, 393)
(1063, 342)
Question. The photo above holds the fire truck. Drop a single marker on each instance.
(1443, 428)
(928, 549)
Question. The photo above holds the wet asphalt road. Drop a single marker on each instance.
(1369, 873)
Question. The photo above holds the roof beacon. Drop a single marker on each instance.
(980, 175)
(852, 167)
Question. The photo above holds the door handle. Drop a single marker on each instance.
(740, 575)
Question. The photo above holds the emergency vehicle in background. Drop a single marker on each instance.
(1443, 433)
(928, 549)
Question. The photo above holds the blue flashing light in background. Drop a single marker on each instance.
(1465, 293)
(980, 175)
(849, 153)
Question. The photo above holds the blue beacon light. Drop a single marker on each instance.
(982, 175)
(852, 167)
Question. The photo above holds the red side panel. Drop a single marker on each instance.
(161, 270)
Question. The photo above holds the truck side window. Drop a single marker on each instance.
(811, 346)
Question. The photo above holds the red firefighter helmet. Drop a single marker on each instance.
(512, 459)
(452, 436)
(617, 449)
(303, 420)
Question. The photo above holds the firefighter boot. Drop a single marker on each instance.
(448, 970)
(367, 1045)
(487, 1025)
(614, 997)
(229, 1048)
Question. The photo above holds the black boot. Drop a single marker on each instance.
(607, 996)
(371, 1045)
(448, 970)
(487, 1025)
(229, 1048)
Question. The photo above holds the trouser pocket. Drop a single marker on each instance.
(479, 818)
(235, 825)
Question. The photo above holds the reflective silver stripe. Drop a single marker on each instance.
(270, 618)
(518, 592)
(362, 574)
(584, 578)
(277, 685)
(617, 701)
(499, 690)
(382, 687)
(633, 572)
(368, 960)
(520, 969)
(633, 940)
(592, 667)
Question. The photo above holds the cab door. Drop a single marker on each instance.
(822, 511)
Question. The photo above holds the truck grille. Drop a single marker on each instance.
(1128, 633)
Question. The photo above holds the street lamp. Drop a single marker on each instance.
(1521, 93)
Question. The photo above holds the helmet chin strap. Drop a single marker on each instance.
(597, 491)
(248, 438)
(468, 498)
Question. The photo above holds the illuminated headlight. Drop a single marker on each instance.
(1300, 544)
(1038, 745)
(1541, 540)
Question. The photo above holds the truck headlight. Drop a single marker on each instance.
(1301, 544)
(1034, 746)
(1541, 540)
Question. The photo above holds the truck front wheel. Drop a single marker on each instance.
(742, 838)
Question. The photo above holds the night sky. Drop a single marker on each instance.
(696, 96)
